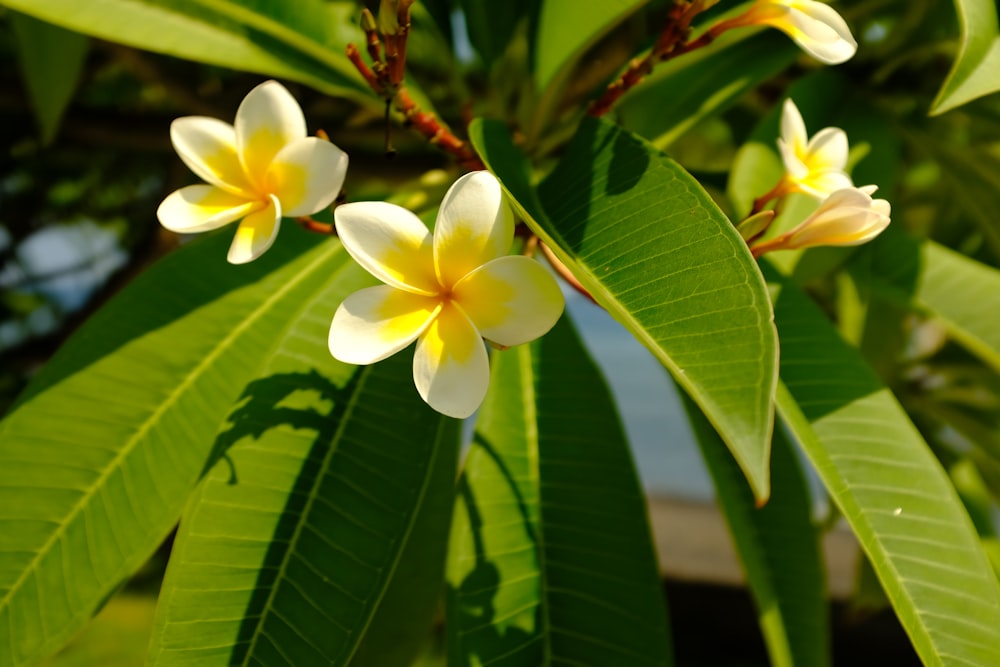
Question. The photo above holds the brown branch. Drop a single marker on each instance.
(385, 78)
(673, 42)
(366, 73)
(429, 126)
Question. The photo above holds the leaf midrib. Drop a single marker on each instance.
(353, 402)
(530, 416)
(166, 404)
(788, 407)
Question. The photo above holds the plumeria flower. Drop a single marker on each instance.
(447, 291)
(816, 27)
(847, 217)
(259, 169)
(815, 166)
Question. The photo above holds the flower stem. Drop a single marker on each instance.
(564, 272)
(385, 78)
(673, 42)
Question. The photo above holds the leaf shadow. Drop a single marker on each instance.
(474, 597)
(601, 162)
(263, 408)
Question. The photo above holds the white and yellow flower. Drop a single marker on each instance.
(259, 169)
(816, 166)
(447, 291)
(845, 218)
(815, 26)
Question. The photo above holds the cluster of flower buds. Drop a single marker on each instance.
(817, 166)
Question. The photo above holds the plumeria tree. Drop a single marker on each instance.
(257, 384)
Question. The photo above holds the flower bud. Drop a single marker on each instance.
(816, 27)
(847, 217)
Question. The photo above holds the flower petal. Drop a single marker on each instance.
(208, 147)
(474, 225)
(827, 16)
(306, 175)
(824, 183)
(450, 366)
(268, 119)
(827, 149)
(793, 128)
(200, 208)
(390, 242)
(819, 31)
(377, 322)
(511, 300)
(847, 217)
(256, 233)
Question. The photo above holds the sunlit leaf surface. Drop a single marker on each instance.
(654, 250)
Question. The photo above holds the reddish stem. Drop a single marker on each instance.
(564, 272)
(429, 126)
(671, 44)
(369, 76)
(311, 225)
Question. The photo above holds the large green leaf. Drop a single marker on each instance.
(99, 455)
(778, 547)
(51, 61)
(682, 92)
(338, 488)
(293, 40)
(657, 253)
(890, 488)
(551, 557)
(963, 294)
(976, 71)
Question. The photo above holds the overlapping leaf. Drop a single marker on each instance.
(323, 537)
(975, 71)
(890, 488)
(654, 250)
(51, 61)
(293, 40)
(551, 556)
(778, 547)
(100, 453)
(962, 293)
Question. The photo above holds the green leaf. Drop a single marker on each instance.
(293, 40)
(890, 488)
(682, 92)
(325, 530)
(778, 547)
(100, 453)
(657, 253)
(551, 559)
(963, 294)
(491, 25)
(563, 34)
(973, 177)
(975, 71)
(51, 61)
